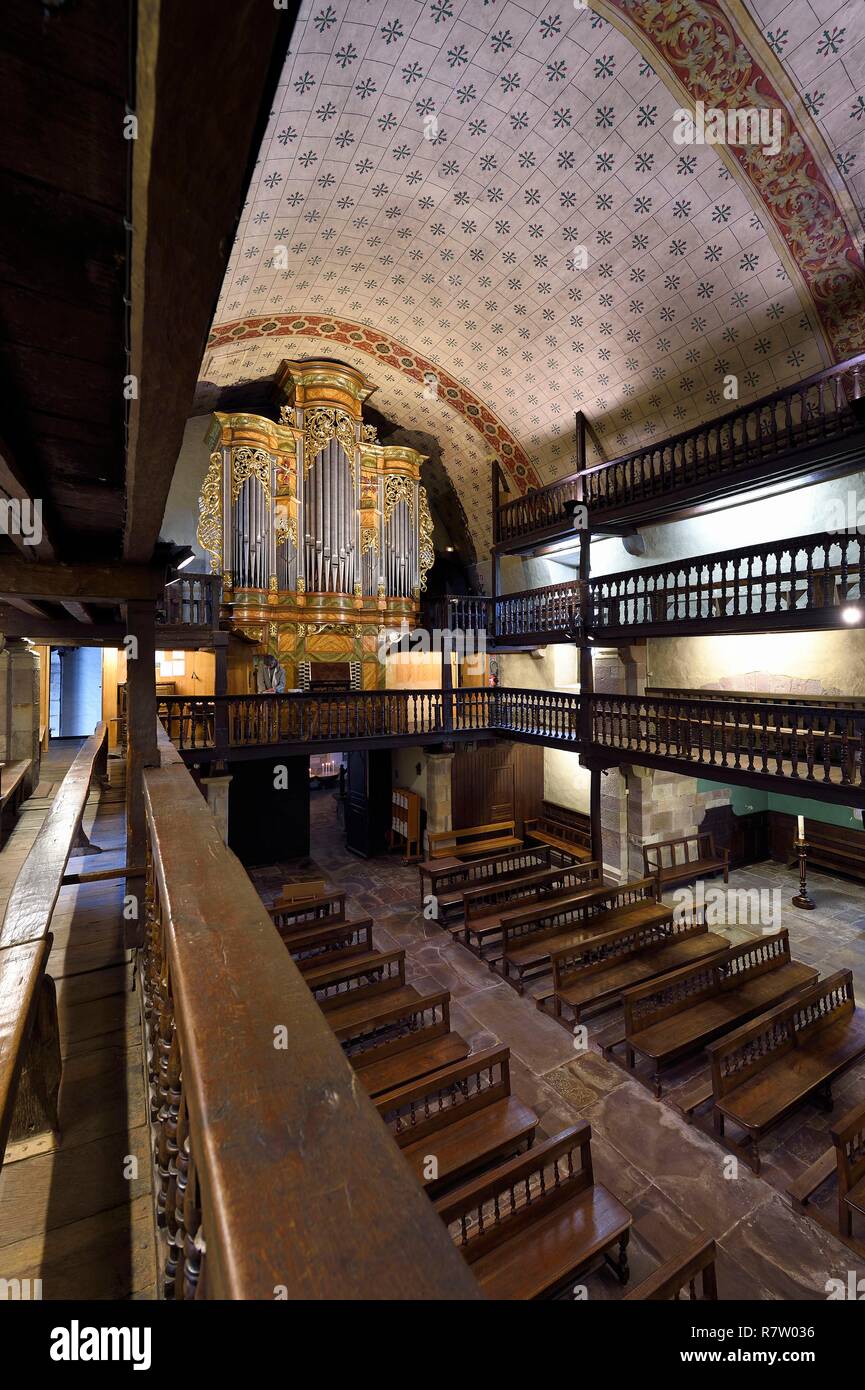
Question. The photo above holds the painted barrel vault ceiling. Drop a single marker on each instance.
(431, 166)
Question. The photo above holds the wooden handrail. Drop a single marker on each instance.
(33, 897)
(275, 1176)
(29, 1034)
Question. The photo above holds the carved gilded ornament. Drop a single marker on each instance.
(397, 489)
(249, 463)
(426, 549)
(369, 434)
(368, 540)
(320, 426)
(209, 533)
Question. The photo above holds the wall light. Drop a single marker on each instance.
(851, 614)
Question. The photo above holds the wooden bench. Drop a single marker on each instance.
(692, 856)
(768, 1068)
(448, 878)
(848, 1140)
(382, 1068)
(486, 908)
(531, 1227)
(835, 848)
(594, 974)
(15, 786)
(683, 1012)
(291, 894)
(697, 1262)
(530, 937)
(317, 946)
(30, 1067)
(460, 1120)
(288, 918)
(350, 984)
(568, 832)
(472, 840)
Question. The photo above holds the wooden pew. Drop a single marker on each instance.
(328, 907)
(343, 988)
(523, 1246)
(398, 1057)
(683, 1012)
(486, 908)
(529, 937)
(690, 857)
(290, 894)
(464, 1118)
(594, 973)
(848, 1139)
(472, 840)
(567, 832)
(29, 1033)
(319, 946)
(697, 1262)
(448, 878)
(768, 1068)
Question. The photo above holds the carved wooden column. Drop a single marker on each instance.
(141, 746)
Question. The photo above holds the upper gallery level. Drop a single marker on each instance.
(812, 430)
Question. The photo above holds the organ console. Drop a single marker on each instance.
(322, 535)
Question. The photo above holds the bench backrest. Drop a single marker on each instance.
(563, 830)
(494, 868)
(330, 907)
(673, 854)
(485, 1213)
(755, 1046)
(697, 1261)
(682, 989)
(849, 1140)
(549, 919)
(547, 883)
(348, 980)
(318, 944)
(395, 1029)
(613, 948)
(438, 839)
(453, 1094)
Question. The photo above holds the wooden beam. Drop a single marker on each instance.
(141, 750)
(23, 605)
(193, 157)
(66, 632)
(77, 610)
(15, 484)
(85, 582)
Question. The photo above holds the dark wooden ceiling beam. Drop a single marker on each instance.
(66, 632)
(13, 482)
(77, 610)
(84, 583)
(192, 163)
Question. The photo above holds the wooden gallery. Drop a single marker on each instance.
(432, 672)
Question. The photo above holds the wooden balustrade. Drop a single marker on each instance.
(245, 1074)
(780, 584)
(191, 600)
(29, 1040)
(723, 451)
(553, 611)
(798, 742)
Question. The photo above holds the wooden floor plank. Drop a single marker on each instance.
(110, 1254)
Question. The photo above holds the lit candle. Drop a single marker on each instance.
(801, 820)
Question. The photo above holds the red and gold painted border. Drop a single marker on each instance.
(387, 350)
(706, 53)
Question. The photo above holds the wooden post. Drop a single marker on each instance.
(220, 690)
(141, 746)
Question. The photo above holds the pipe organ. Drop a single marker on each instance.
(322, 535)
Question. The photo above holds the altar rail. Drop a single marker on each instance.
(747, 445)
(274, 1175)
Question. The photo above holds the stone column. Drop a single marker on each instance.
(216, 795)
(439, 794)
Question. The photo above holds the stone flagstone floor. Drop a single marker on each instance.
(668, 1173)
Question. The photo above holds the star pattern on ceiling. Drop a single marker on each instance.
(431, 170)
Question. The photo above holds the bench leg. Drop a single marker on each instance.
(718, 1123)
(845, 1218)
(619, 1264)
(823, 1098)
(657, 1086)
(630, 1058)
(35, 1110)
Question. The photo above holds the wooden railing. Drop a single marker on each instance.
(779, 584)
(796, 742)
(274, 1175)
(29, 1039)
(827, 703)
(545, 715)
(191, 600)
(552, 611)
(459, 613)
(750, 439)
